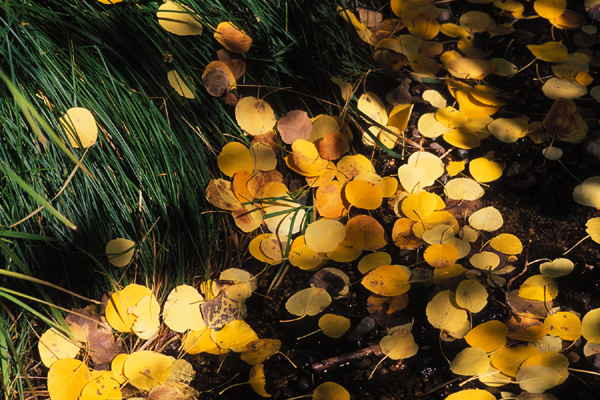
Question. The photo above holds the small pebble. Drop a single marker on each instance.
(590, 150)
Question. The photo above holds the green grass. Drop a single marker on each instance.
(145, 178)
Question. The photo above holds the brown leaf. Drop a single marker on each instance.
(561, 118)
(333, 280)
(461, 209)
(269, 138)
(221, 310)
(332, 146)
(294, 125)
(386, 310)
(216, 82)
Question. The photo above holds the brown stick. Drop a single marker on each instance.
(340, 361)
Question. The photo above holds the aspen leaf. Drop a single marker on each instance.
(147, 312)
(350, 166)
(371, 105)
(443, 314)
(555, 88)
(565, 325)
(324, 235)
(235, 335)
(302, 257)
(550, 9)
(258, 351)
(487, 95)
(453, 30)
(403, 236)
(441, 255)
(421, 64)
(539, 287)
(506, 130)
(526, 328)
(503, 67)
(424, 26)
(484, 170)
(451, 117)
(588, 194)
(256, 378)
(334, 280)
(434, 98)
(508, 359)
(489, 336)
(254, 116)
(330, 391)
(486, 219)
(561, 118)
(310, 301)
(219, 193)
(472, 108)
(470, 361)
(414, 179)
(549, 51)
(552, 153)
(102, 387)
(146, 369)
(53, 346)
(232, 38)
(537, 378)
(248, 218)
(119, 303)
(399, 345)
(430, 127)
(334, 325)
(182, 309)
(475, 21)
(217, 78)
(80, 126)
(593, 228)
(439, 234)
(362, 194)
(263, 157)
(116, 367)
(557, 267)
(177, 19)
(470, 68)
(196, 342)
(181, 85)
(328, 200)
(471, 295)
(507, 243)
(294, 125)
(590, 326)
(463, 189)
(463, 138)
(471, 394)
(431, 163)
(120, 251)
(66, 378)
(387, 280)
(399, 117)
(374, 260)
(371, 231)
(235, 157)
(418, 206)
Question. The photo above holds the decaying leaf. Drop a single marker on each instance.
(258, 351)
(232, 38)
(387, 280)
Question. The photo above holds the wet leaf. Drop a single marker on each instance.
(310, 301)
(334, 326)
(399, 345)
(257, 380)
(463, 189)
(507, 243)
(590, 326)
(235, 335)
(486, 219)
(549, 51)
(565, 325)
(330, 391)
(254, 116)
(470, 361)
(387, 280)
(489, 336)
(471, 295)
(258, 351)
(539, 287)
(120, 251)
(508, 359)
(471, 394)
(177, 19)
(588, 194)
(443, 314)
(557, 267)
(537, 378)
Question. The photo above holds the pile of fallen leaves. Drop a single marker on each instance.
(296, 186)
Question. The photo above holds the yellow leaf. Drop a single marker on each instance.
(537, 378)
(453, 30)
(181, 85)
(454, 168)
(424, 26)
(310, 301)
(120, 251)
(471, 394)
(232, 38)
(303, 257)
(463, 189)
(235, 157)
(555, 88)
(116, 367)
(550, 9)
(254, 116)
(508, 359)
(470, 361)
(588, 194)
(117, 309)
(362, 194)
(53, 346)
(441, 255)
(431, 163)
(565, 325)
(387, 280)
(418, 206)
(102, 387)
(489, 336)
(235, 335)
(399, 116)
(485, 260)
(539, 287)
(443, 314)
(471, 295)
(371, 105)
(462, 138)
(324, 235)
(593, 228)
(399, 345)
(220, 194)
(258, 351)
(147, 369)
(590, 326)
(330, 391)
(66, 378)
(507, 130)
(80, 126)
(182, 309)
(475, 21)
(263, 157)
(334, 325)
(484, 170)
(195, 342)
(549, 51)
(177, 19)
(507, 243)
(486, 219)
(557, 267)
(434, 98)
(257, 380)
(147, 312)
(470, 68)
(373, 260)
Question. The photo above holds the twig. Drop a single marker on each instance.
(340, 361)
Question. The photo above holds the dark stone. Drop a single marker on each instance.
(590, 149)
